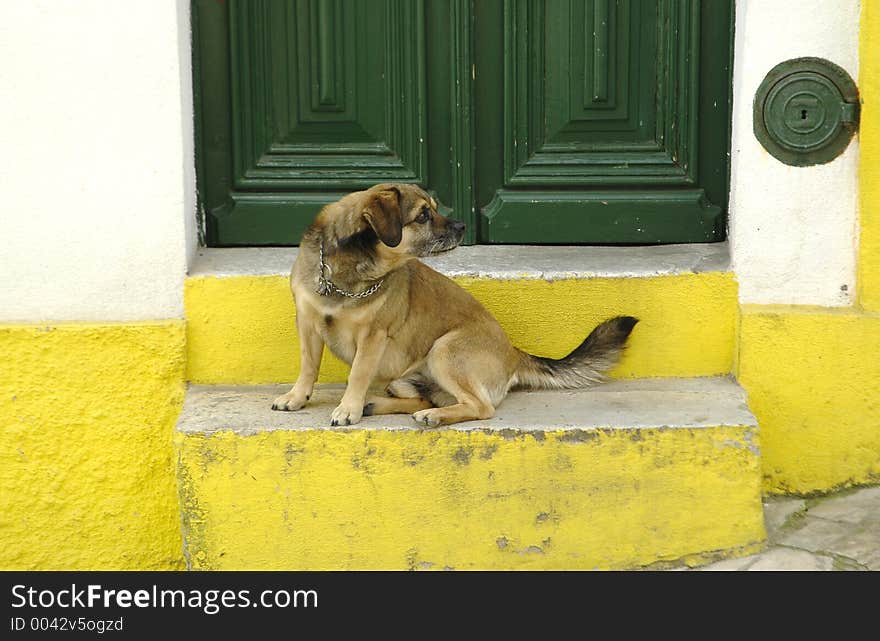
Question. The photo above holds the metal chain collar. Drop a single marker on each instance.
(327, 286)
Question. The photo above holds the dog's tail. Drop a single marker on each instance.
(584, 366)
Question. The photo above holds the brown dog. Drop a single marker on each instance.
(359, 289)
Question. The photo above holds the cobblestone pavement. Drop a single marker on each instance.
(836, 532)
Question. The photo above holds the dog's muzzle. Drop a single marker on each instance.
(453, 236)
(454, 233)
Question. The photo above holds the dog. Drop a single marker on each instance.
(360, 289)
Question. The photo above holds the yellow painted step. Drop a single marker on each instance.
(241, 318)
(625, 475)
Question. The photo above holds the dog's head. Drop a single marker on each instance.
(406, 221)
(389, 222)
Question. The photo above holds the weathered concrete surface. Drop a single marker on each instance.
(778, 510)
(499, 261)
(775, 559)
(624, 475)
(837, 532)
(634, 404)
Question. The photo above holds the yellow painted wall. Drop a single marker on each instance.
(319, 499)
(242, 329)
(86, 418)
(813, 381)
(813, 374)
(869, 167)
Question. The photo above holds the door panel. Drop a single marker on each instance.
(602, 118)
(318, 101)
(308, 100)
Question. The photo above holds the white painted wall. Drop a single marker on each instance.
(96, 170)
(793, 230)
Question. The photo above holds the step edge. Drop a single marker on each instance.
(501, 262)
(728, 409)
(505, 432)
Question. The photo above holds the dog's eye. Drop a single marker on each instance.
(423, 216)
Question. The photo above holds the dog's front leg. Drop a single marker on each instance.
(311, 347)
(368, 353)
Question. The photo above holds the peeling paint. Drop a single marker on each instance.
(578, 436)
(487, 452)
(290, 452)
(551, 516)
(463, 455)
(412, 457)
(552, 504)
(532, 549)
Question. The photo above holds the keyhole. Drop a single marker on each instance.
(803, 114)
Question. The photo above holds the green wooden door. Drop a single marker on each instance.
(534, 121)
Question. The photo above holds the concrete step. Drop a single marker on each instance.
(240, 313)
(630, 474)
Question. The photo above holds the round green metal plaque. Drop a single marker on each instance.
(806, 111)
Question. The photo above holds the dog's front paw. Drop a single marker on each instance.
(346, 415)
(289, 402)
(428, 417)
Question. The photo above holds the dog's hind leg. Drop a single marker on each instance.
(388, 405)
(411, 384)
(465, 393)
(416, 384)
(405, 388)
(469, 407)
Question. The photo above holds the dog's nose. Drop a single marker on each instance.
(458, 226)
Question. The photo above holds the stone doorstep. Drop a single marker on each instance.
(503, 262)
(625, 404)
(630, 474)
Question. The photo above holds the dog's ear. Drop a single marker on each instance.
(384, 216)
